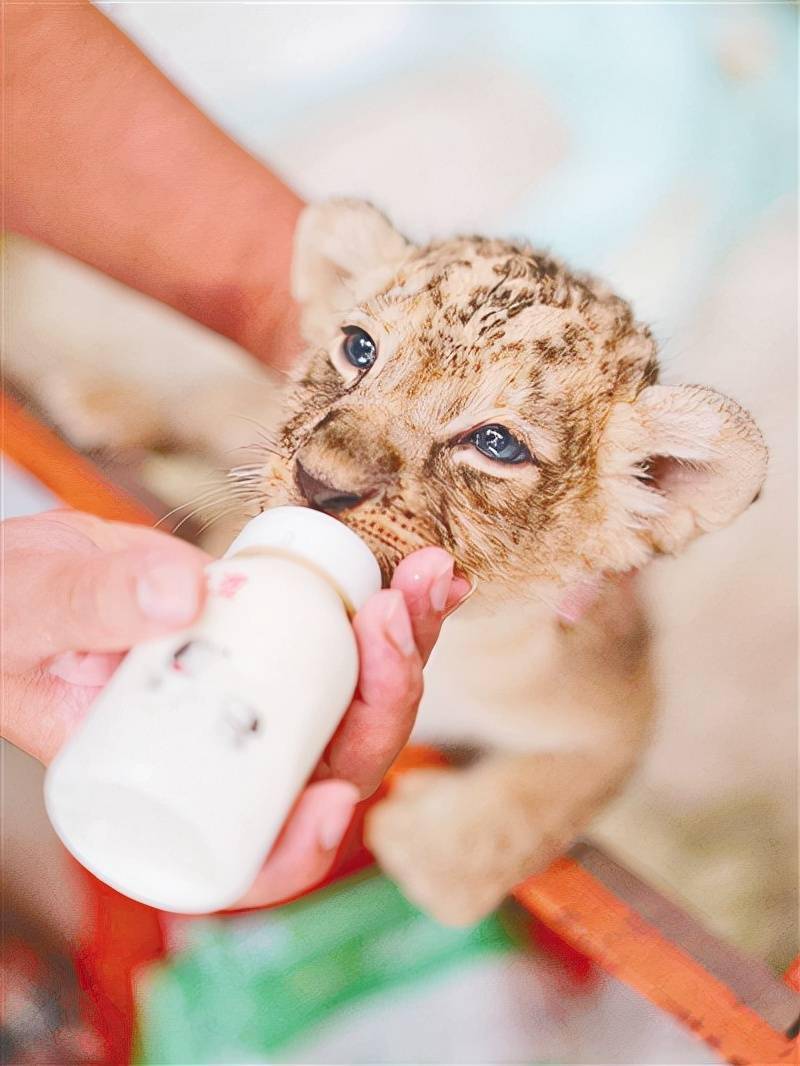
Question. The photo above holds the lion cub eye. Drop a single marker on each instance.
(359, 349)
(498, 443)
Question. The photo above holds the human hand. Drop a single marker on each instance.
(80, 591)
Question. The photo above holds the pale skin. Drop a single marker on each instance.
(101, 147)
(80, 591)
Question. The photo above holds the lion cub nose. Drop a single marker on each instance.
(324, 497)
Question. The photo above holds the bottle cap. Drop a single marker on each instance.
(323, 542)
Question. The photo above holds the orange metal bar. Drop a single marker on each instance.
(75, 480)
(581, 910)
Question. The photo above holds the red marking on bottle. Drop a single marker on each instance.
(229, 585)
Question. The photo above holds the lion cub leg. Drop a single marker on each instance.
(458, 841)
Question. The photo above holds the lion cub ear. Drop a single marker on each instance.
(699, 457)
(344, 250)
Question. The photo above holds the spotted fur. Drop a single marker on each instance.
(469, 332)
(472, 330)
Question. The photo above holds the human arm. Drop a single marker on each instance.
(110, 163)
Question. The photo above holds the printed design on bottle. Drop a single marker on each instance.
(227, 585)
(193, 656)
(240, 719)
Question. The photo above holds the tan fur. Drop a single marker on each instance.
(472, 331)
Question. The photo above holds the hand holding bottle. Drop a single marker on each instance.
(79, 592)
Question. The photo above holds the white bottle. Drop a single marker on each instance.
(178, 782)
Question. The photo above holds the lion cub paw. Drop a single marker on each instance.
(436, 838)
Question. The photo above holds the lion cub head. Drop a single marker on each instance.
(477, 395)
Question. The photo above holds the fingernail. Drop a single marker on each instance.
(397, 627)
(89, 669)
(67, 666)
(334, 826)
(460, 590)
(440, 586)
(168, 592)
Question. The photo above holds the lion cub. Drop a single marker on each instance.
(477, 395)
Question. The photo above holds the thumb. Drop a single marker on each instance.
(114, 599)
(82, 597)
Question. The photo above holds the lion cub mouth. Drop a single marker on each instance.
(367, 513)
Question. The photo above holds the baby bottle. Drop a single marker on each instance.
(176, 785)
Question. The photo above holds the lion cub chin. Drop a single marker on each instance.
(478, 395)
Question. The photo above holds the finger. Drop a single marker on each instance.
(65, 593)
(380, 718)
(307, 846)
(40, 712)
(431, 593)
(88, 668)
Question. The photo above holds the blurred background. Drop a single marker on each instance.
(655, 145)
